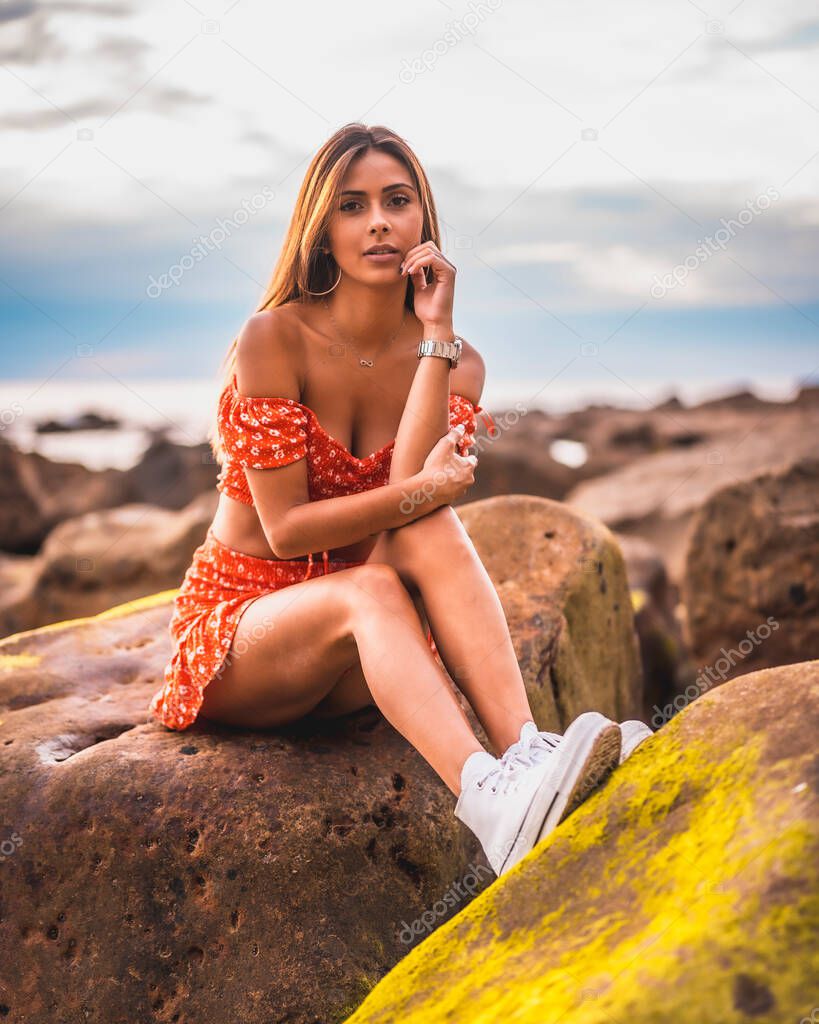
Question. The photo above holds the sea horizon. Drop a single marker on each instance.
(182, 408)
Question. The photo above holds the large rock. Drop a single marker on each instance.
(686, 889)
(218, 873)
(212, 874)
(752, 575)
(104, 558)
(517, 459)
(36, 494)
(657, 495)
(171, 475)
(18, 575)
(562, 582)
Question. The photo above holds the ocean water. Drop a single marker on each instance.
(182, 408)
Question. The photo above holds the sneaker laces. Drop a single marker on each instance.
(505, 775)
(532, 748)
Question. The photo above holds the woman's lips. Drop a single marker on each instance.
(382, 257)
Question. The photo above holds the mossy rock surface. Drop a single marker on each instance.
(685, 890)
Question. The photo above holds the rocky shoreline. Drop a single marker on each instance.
(254, 874)
(76, 541)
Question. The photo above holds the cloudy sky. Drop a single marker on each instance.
(629, 193)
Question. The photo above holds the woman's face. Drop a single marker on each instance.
(384, 209)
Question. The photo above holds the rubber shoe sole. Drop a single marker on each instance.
(590, 751)
(633, 732)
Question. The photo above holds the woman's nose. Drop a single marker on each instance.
(379, 223)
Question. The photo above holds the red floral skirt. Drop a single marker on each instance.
(218, 586)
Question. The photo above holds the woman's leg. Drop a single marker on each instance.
(351, 692)
(434, 554)
(296, 644)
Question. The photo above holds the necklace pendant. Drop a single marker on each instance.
(366, 362)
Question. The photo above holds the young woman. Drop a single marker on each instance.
(343, 426)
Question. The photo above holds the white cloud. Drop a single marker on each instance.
(190, 112)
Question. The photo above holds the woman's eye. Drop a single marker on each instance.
(352, 202)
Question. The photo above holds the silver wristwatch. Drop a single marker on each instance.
(450, 350)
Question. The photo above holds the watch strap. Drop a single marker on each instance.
(445, 349)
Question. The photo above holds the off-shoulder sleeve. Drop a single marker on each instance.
(461, 410)
(261, 433)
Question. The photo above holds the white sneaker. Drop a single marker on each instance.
(633, 733)
(504, 803)
(532, 746)
(587, 766)
(537, 783)
(587, 754)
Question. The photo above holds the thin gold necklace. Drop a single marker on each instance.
(362, 361)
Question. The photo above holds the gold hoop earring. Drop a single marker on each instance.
(308, 292)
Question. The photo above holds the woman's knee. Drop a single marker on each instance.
(439, 537)
(442, 522)
(374, 586)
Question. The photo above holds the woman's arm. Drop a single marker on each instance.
(266, 364)
(339, 522)
(426, 414)
(425, 419)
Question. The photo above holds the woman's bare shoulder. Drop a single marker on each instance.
(281, 320)
(270, 354)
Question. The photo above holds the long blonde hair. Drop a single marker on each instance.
(302, 267)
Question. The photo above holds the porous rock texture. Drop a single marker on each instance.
(686, 889)
(752, 573)
(245, 875)
(561, 579)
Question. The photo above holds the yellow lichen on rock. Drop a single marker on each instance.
(127, 608)
(687, 889)
(12, 662)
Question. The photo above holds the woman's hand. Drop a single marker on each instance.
(433, 302)
(449, 473)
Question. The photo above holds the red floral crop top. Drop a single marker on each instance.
(262, 433)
